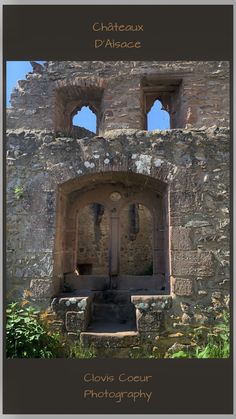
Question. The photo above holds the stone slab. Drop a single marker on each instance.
(182, 287)
(192, 263)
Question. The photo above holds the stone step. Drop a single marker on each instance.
(106, 340)
(113, 312)
(110, 296)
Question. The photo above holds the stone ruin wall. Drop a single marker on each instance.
(193, 160)
(195, 165)
(120, 92)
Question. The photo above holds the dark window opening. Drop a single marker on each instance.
(85, 268)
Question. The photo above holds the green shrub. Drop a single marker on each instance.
(29, 337)
(180, 354)
(218, 340)
(77, 350)
(144, 352)
(216, 344)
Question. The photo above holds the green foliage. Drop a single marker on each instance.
(144, 352)
(218, 341)
(216, 344)
(27, 336)
(77, 350)
(180, 354)
(19, 192)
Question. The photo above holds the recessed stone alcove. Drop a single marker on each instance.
(98, 240)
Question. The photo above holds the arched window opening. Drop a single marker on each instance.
(136, 243)
(85, 118)
(162, 105)
(158, 117)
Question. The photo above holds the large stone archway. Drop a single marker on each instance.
(113, 191)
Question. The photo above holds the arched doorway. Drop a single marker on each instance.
(114, 233)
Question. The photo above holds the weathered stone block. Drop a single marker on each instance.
(176, 347)
(181, 238)
(75, 321)
(192, 263)
(34, 266)
(110, 340)
(149, 321)
(184, 202)
(75, 304)
(153, 302)
(41, 288)
(183, 286)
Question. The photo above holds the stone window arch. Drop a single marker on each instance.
(165, 90)
(71, 96)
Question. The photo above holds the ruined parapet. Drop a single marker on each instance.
(121, 94)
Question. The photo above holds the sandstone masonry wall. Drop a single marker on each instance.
(184, 170)
(194, 164)
(121, 93)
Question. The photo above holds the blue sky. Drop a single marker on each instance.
(17, 70)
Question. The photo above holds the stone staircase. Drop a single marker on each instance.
(112, 322)
(112, 328)
(112, 311)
